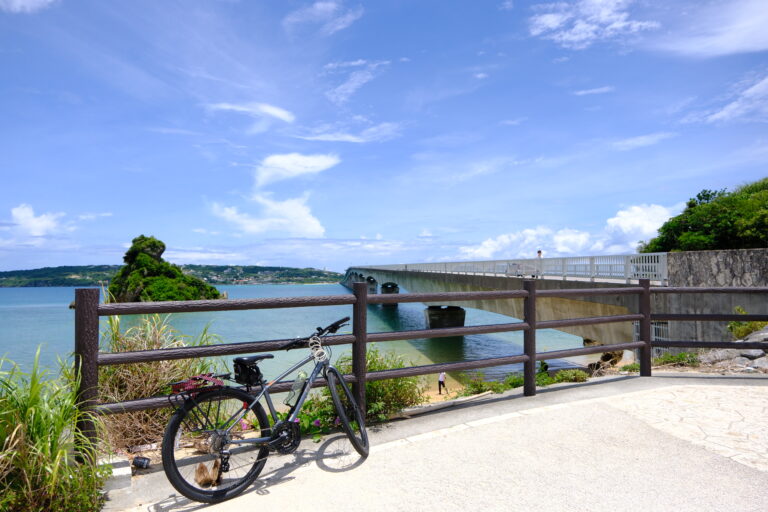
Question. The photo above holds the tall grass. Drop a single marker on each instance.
(132, 381)
(38, 470)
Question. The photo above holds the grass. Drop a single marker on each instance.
(38, 470)
(682, 359)
(131, 381)
(475, 383)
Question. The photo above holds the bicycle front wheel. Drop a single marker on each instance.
(199, 457)
(351, 417)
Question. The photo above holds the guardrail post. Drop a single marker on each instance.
(529, 339)
(360, 331)
(86, 354)
(645, 328)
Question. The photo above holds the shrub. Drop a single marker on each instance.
(475, 383)
(389, 396)
(571, 376)
(681, 359)
(740, 330)
(634, 367)
(38, 437)
(131, 381)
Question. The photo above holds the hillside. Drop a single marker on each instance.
(96, 275)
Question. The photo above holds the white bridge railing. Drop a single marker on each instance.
(630, 267)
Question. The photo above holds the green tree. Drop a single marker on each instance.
(147, 277)
(717, 220)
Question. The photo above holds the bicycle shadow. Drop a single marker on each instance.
(334, 455)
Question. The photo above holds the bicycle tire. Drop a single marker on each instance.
(348, 411)
(191, 469)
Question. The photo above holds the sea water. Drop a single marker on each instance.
(34, 319)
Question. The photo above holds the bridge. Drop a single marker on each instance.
(702, 268)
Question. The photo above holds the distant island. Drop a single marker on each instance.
(96, 275)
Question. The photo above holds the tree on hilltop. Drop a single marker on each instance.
(717, 219)
(147, 277)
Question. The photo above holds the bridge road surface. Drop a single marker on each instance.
(673, 442)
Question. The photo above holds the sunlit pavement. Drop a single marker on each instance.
(670, 442)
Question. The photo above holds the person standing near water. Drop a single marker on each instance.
(441, 384)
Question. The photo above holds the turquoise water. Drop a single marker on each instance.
(32, 317)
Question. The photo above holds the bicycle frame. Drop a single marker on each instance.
(294, 411)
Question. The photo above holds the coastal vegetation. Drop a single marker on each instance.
(717, 219)
(740, 330)
(147, 277)
(475, 383)
(681, 359)
(38, 470)
(384, 398)
(132, 381)
(98, 275)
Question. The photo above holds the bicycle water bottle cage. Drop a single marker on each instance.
(247, 369)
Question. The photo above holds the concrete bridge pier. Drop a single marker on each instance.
(438, 317)
(389, 288)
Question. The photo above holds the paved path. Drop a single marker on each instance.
(676, 442)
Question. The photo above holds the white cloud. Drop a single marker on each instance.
(255, 110)
(378, 133)
(507, 5)
(355, 80)
(35, 225)
(201, 255)
(620, 235)
(481, 76)
(715, 29)
(579, 24)
(291, 217)
(751, 104)
(345, 64)
(93, 216)
(25, 6)
(597, 90)
(642, 140)
(329, 15)
(513, 122)
(290, 165)
(639, 222)
(343, 92)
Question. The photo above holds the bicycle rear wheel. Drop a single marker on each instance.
(351, 417)
(198, 457)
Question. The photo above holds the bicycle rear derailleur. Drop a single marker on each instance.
(286, 437)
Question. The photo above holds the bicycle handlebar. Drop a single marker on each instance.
(321, 331)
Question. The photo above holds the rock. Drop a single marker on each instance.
(737, 361)
(748, 369)
(752, 354)
(761, 335)
(719, 354)
(760, 364)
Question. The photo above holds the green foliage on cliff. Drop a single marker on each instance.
(147, 277)
(717, 220)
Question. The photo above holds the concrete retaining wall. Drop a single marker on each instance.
(743, 267)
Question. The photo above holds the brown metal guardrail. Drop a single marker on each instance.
(88, 358)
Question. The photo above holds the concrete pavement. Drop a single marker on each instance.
(671, 442)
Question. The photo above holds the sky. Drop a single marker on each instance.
(335, 133)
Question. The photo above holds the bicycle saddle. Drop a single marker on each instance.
(247, 361)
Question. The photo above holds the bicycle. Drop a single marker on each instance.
(217, 442)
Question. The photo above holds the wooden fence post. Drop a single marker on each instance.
(360, 331)
(86, 354)
(645, 328)
(529, 339)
